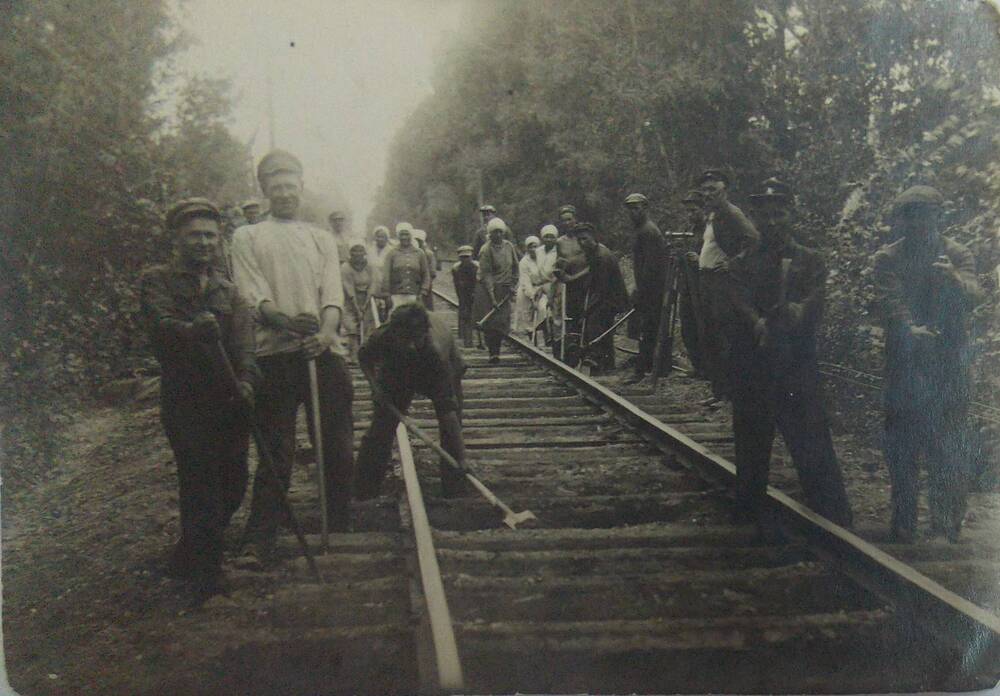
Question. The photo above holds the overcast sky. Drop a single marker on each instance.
(345, 73)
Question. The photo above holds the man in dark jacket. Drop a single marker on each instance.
(414, 353)
(927, 288)
(729, 237)
(649, 262)
(463, 275)
(606, 297)
(774, 375)
(189, 307)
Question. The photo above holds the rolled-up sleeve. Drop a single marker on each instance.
(247, 275)
(331, 291)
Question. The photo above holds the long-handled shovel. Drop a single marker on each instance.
(510, 518)
(264, 454)
(489, 315)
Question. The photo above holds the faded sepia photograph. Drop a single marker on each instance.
(388, 347)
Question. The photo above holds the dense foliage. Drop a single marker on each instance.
(86, 170)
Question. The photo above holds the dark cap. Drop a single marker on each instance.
(925, 195)
(358, 246)
(584, 227)
(189, 208)
(567, 209)
(773, 189)
(636, 198)
(712, 175)
(277, 161)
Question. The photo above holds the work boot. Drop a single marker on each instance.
(634, 379)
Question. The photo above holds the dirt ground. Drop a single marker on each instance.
(86, 606)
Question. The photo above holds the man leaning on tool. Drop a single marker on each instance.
(649, 250)
(774, 376)
(414, 353)
(289, 271)
(606, 297)
(927, 287)
(189, 307)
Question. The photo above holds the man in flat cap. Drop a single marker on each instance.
(927, 288)
(359, 284)
(479, 237)
(189, 308)
(774, 376)
(251, 211)
(649, 261)
(463, 275)
(338, 227)
(495, 291)
(606, 297)
(289, 271)
(728, 238)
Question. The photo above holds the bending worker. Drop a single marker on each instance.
(414, 353)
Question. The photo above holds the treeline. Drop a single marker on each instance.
(582, 101)
(90, 156)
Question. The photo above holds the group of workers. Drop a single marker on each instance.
(244, 341)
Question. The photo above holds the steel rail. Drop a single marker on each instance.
(950, 618)
(449, 666)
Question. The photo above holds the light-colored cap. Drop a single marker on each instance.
(496, 224)
(532, 240)
(550, 231)
(420, 234)
(403, 227)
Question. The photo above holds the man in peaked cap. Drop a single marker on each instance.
(926, 287)
(189, 307)
(289, 271)
(649, 257)
(338, 227)
(463, 275)
(486, 213)
(774, 376)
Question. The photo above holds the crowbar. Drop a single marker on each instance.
(264, 454)
(318, 449)
(489, 314)
(510, 518)
(614, 326)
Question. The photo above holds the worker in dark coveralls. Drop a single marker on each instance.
(774, 375)
(289, 271)
(571, 270)
(606, 299)
(728, 238)
(414, 353)
(689, 302)
(498, 278)
(927, 287)
(649, 249)
(463, 275)
(189, 307)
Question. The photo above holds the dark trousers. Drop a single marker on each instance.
(210, 447)
(466, 323)
(286, 386)
(376, 449)
(942, 436)
(649, 329)
(602, 355)
(718, 320)
(574, 294)
(794, 405)
(689, 310)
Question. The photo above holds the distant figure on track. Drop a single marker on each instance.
(775, 379)
(649, 259)
(359, 281)
(289, 271)
(498, 278)
(606, 297)
(406, 275)
(927, 288)
(188, 307)
(463, 276)
(414, 353)
(420, 237)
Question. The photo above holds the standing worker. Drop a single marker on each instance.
(498, 277)
(414, 353)
(338, 227)
(727, 240)
(607, 297)
(189, 307)
(532, 303)
(775, 378)
(570, 271)
(649, 258)
(689, 303)
(927, 288)
(547, 255)
(421, 238)
(289, 271)
(463, 275)
(479, 237)
(359, 281)
(406, 276)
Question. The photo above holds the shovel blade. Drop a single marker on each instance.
(515, 518)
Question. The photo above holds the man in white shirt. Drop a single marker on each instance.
(289, 272)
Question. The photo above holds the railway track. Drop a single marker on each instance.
(633, 580)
